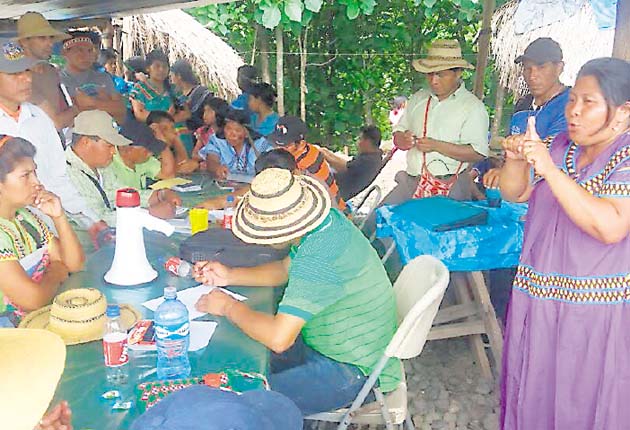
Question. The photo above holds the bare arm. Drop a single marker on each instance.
(276, 332)
(67, 247)
(273, 274)
(113, 105)
(215, 168)
(169, 167)
(139, 111)
(26, 293)
(515, 181)
(336, 162)
(62, 119)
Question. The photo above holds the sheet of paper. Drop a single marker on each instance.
(189, 297)
(169, 183)
(186, 189)
(200, 334)
(239, 177)
(182, 225)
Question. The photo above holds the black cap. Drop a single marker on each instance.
(142, 135)
(540, 51)
(289, 129)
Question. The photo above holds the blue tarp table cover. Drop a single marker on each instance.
(494, 245)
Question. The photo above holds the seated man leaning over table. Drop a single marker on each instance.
(93, 146)
(33, 262)
(355, 175)
(163, 126)
(146, 160)
(338, 311)
(237, 152)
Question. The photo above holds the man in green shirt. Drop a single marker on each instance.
(94, 144)
(338, 311)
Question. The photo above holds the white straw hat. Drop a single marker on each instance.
(78, 316)
(442, 55)
(32, 362)
(280, 207)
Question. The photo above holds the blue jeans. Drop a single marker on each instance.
(313, 381)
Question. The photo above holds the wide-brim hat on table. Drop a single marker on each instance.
(78, 316)
(280, 207)
(442, 55)
(33, 24)
(32, 362)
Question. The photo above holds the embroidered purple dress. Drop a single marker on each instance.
(566, 364)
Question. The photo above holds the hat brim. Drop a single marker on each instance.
(39, 320)
(19, 66)
(269, 228)
(115, 139)
(45, 32)
(426, 65)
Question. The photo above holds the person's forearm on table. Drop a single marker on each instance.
(264, 328)
(463, 153)
(596, 216)
(273, 274)
(515, 181)
(169, 167)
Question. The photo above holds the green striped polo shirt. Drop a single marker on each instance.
(338, 285)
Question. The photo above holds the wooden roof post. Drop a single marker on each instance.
(621, 46)
(483, 47)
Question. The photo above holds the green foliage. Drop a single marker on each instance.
(360, 52)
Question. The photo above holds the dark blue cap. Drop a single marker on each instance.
(203, 408)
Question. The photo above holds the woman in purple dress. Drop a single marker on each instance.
(566, 364)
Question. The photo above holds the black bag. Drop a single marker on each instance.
(218, 244)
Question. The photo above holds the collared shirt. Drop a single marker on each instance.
(36, 127)
(91, 186)
(460, 119)
(118, 175)
(241, 163)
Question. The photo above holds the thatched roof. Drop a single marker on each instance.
(181, 36)
(579, 37)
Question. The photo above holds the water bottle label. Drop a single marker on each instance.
(172, 332)
(115, 353)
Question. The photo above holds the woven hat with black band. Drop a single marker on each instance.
(280, 207)
(442, 55)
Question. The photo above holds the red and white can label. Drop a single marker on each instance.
(172, 265)
(227, 222)
(115, 350)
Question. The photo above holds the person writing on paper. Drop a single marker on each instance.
(92, 149)
(33, 262)
(565, 350)
(237, 152)
(163, 126)
(338, 310)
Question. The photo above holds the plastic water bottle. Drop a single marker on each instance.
(228, 213)
(172, 335)
(115, 348)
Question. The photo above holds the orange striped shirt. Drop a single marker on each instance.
(312, 160)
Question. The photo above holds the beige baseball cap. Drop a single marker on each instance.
(100, 124)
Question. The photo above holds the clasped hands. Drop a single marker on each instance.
(405, 140)
(529, 147)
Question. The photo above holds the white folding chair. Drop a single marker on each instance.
(362, 213)
(419, 290)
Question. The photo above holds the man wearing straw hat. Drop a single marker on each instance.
(443, 129)
(338, 311)
(37, 37)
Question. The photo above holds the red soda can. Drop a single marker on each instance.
(178, 267)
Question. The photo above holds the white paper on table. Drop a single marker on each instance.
(239, 177)
(200, 334)
(186, 189)
(182, 225)
(189, 297)
(216, 214)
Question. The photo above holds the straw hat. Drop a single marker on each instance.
(33, 24)
(442, 55)
(78, 316)
(32, 362)
(280, 207)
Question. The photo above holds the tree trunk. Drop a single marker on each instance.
(280, 69)
(264, 54)
(483, 47)
(303, 56)
(621, 46)
(368, 102)
(108, 35)
(498, 111)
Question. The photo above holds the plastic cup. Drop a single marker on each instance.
(198, 220)
(494, 197)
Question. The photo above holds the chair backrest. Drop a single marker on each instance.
(419, 290)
